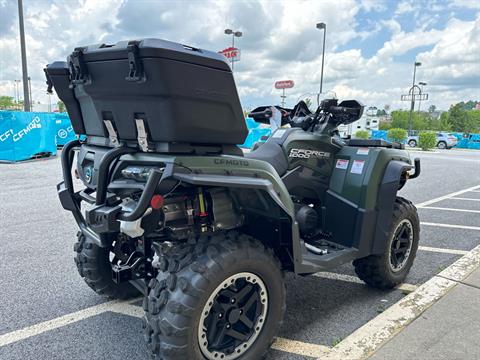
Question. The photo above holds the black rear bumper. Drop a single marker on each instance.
(103, 218)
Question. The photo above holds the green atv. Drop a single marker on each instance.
(172, 209)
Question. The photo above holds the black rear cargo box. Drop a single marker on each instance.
(181, 94)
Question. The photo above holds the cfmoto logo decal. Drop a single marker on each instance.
(307, 154)
(62, 133)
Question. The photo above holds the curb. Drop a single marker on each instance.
(371, 336)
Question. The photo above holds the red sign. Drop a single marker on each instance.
(231, 53)
(284, 84)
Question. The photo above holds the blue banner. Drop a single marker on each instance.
(23, 135)
(65, 131)
(256, 133)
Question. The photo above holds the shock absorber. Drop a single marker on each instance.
(203, 215)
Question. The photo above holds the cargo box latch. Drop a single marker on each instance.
(78, 68)
(135, 66)
(141, 135)
(112, 134)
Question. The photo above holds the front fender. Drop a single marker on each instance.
(387, 194)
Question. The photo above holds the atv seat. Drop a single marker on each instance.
(272, 153)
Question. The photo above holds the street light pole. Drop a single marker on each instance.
(412, 104)
(234, 34)
(26, 97)
(321, 26)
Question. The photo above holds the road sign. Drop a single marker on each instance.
(284, 84)
(416, 97)
(231, 53)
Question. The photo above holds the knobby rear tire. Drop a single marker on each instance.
(188, 275)
(93, 265)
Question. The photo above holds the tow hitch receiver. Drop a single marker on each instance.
(134, 269)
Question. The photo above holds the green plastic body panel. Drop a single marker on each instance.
(361, 187)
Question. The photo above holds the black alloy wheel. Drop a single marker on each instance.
(401, 245)
(233, 317)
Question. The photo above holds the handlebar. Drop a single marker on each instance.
(342, 110)
(260, 113)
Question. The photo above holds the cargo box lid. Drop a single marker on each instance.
(155, 48)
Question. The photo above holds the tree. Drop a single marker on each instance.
(469, 105)
(397, 135)
(61, 106)
(399, 119)
(432, 108)
(420, 120)
(473, 122)
(362, 134)
(444, 123)
(6, 102)
(387, 108)
(427, 140)
(384, 125)
(457, 117)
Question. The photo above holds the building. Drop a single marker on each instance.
(369, 121)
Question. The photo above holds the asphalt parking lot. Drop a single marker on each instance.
(47, 312)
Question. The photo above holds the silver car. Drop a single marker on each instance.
(444, 141)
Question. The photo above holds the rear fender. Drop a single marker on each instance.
(257, 189)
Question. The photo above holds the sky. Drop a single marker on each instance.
(371, 45)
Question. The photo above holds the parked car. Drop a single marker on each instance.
(444, 141)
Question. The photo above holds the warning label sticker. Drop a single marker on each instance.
(363, 151)
(341, 164)
(357, 166)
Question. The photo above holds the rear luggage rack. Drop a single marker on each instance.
(375, 143)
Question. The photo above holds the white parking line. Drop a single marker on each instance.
(443, 250)
(451, 226)
(450, 209)
(127, 309)
(48, 325)
(407, 288)
(466, 199)
(444, 197)
(340, 277)
(300, 348)
(282, 344)
(367, 339)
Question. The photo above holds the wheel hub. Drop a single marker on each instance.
(401, 245)
(233, 317)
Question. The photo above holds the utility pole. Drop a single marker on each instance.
(412, 104)
(26, 94)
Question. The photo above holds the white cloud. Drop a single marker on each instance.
(455, 59)
(280, 42)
